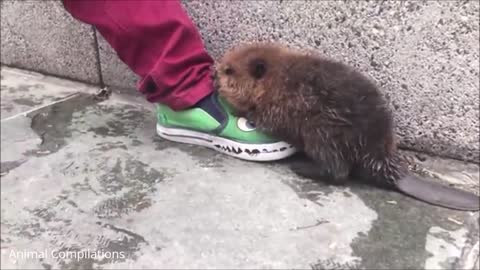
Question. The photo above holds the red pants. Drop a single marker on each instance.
(159, 43)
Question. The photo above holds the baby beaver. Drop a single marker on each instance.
(331, 112)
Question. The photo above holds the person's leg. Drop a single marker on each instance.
(159, 42)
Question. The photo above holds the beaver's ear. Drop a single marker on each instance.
(257, 68)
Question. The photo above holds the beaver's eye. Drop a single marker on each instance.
(229, 71)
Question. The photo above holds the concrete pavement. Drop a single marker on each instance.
(88, 184)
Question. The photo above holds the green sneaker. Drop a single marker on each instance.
(234, 137)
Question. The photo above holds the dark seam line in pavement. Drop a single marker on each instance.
(97, 58)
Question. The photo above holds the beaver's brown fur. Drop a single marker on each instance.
(330, 111)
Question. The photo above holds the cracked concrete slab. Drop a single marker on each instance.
(97, 188)
(24, 91)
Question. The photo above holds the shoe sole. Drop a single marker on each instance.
(251, 152)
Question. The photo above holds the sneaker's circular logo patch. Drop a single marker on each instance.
(244, 125)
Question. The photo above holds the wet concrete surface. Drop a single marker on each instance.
(88, 184)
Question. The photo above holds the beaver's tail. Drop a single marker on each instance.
(394, 174)
(437, 194)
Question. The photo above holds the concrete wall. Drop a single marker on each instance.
(39, 35)
(425, 55)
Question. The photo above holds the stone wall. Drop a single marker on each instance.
(424, 55)
(41, 36)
